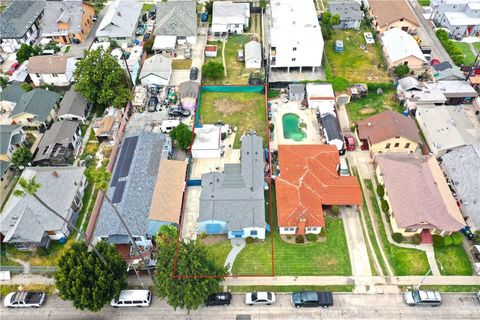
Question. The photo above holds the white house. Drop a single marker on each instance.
(460, 17)
(53, 70)
(253, 55)
(229, 18)
(156, 70)
(73, 107)
(321, 96)
(208, 142)
(296, 42)
(401, 48)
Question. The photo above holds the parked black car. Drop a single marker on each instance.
(219, 299)
(194, 73)
(178, 112)
(152, 104)
(312, 299)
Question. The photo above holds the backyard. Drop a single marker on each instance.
(467, 52)
(454, 261)
(359, 62)
(243, 110)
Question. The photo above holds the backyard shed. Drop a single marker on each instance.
(211, 51)
(207, 143)
(188, 93)
(339, 46)
(156, 70)
(296, 91)
(253, 55)
(321, 96)
(331, 130)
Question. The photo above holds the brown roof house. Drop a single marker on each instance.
(392, 14)
(106, 128)
(53, 70)
(418, 195)
(388, 131)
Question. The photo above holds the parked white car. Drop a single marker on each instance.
(133, 298)
(259, 298)
(24, 299)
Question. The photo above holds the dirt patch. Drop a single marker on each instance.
(367, 110)
(213, 239)
(227, 106)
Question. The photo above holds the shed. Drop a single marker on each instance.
(211, 51)
(321, 96)
(331, 130)
(207, 143)
(339, 46)
(296, 91)
(253, 55)
(156, 70)
(188, 93)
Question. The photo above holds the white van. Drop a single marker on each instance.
(168, 125)
(343, 168)
(133, 298)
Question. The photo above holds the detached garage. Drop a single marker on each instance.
(156, 70)
(207, 143)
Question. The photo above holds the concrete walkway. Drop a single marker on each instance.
(223, 56)
(85, 140)
(24, 264)
(84, 219)
(237, 246)
(428, 248)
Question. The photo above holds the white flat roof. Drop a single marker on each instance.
(207, 137)
(320, 90)
(400, 45)
(461, 19)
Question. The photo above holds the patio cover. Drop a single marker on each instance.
(164, 43)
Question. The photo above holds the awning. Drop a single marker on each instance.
(164, 43)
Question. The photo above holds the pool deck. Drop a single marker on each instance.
(308, 116)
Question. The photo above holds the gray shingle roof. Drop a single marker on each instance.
(19, 17)
(330, 124)
(347, 10)
(73, 103)
(189, 89)
(120, 20)
(462, 167)
(236, 196)
(24, 219)
(12, 93)
(60, 133)
(253, 50)
(7, 137)
(135, 203)
(176, 18)
(67, 11)
(39, 102)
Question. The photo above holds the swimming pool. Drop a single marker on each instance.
(291, 129)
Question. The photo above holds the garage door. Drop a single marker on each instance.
(213, 228)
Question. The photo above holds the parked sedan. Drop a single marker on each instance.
(259, 298)
(152, 104)
(219, 299)
(178, 112)
(350, 142)
(194, 73)
(13, 68)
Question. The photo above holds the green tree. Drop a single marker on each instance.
(101, 80)
(148, 45)
(335, 20)
(3, 82)
(82, 278)
(26, 86)
(26, 51)
(21, 157)
(167, 233)
(212, 70)
(185, 292)
(182, 135)
(401, 70)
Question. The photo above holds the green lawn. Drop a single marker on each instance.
(476, 45)
(373, 103)
(467, 52)
(218, 58)
(424, 3)
(244, 110)
(452, 288)
(454, 260)
(339, 288)
(254, 259)
(181, 64)
(403, 261)
(147, 6)
(356, 64)
(236, 72)
(219, 252)
(7, 288)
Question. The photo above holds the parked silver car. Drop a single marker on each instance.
(259, 298)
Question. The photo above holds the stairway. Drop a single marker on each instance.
(426, 236)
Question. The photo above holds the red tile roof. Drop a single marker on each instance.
(386, 125)
(308, 179)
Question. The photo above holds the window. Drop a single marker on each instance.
(407, 145)
(396, 145)
(294, 48)
(294, 59)
(137, 238)
(410, 230)
(253, 232)
(388, 146)
(54, 75)
(51, 233)
(236, 26)
(37, 75)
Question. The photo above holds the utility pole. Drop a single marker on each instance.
(473, 67)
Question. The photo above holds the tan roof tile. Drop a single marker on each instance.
(389, 11)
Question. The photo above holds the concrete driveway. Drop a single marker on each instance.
(179, 76)
(190, 213)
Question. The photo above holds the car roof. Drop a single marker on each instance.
(262, 295)
(133, 294)
(429, 295)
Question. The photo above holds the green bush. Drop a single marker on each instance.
(416, 239)
(272, 127)
(437, 240)
(312, 237)
(323, 233)
(380, 191)
(340, 84)
(299, 239)
(457, 238)
(335, 210)
(447, 241)
(385, 206)
(249, 240)
(397, 237)
(148, 45)
(454, 52)
(289, 237)
(401, 70)
(42, 252)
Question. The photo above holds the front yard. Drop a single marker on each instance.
(454, 261)
(181, 64)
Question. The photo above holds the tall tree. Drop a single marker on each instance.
(101, 80)
(182, 135)
(185, 291)
(21, 157)
(26, 51)
(212, 70)
(82, 278)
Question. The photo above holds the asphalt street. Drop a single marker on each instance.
(347, 306)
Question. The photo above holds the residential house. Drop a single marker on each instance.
(307, 184)
(460, 17)
(74, 107)
(229, 18)
(419, 199)
(295, 38)
(446, 128)
(401, 48)
(445, 71)
(156, 70)
(21, 74)
(131, 192)
(106, 127)
(120, 22)
(207, 142)
(388, 131)
(67, 21)
(176, 22)
(188, 94)
(390, 14)
(20, 23)
(232, 202)
(52, 70)
(350, 13)
(320, 96)
(253, 55)
(36, 108)
(59, 145)
(462, 170)
(9, 97)
(130, 60)
(331, 131)
(167, 197)
(11, 138)
(27, 224)
(296, 92)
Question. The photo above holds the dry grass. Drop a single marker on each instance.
(181, 64)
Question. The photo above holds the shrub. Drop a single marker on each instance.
(401, 70)
(289, 237)
(203, 235)
(148, 45)
(312, 237)
(299, 239)
(457, 238)
(380, 191)
(272, 127)
(335, 210)
(323, 233)
(212, 70)
(42, 252)
(437, 240)
(397, 237)
(454, 52)
(385, 206)
(417, 239)
(249, 240)
(447, 241)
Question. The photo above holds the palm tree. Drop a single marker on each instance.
(30, 187)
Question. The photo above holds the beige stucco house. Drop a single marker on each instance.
(401, 48)
(390, 14)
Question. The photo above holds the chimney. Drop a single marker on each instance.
(55, 174)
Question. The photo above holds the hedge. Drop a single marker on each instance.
(335, 210)
(447, 241)
(380, 191)
(454, 52)
(437, 240)
(397, 237)
(385, 206)
(457, 238)
(417, 239)
(312, 237)
(299, 239)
